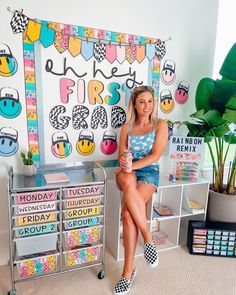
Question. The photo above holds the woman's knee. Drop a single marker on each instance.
(126, 181)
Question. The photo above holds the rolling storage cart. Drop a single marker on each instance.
(59, 226)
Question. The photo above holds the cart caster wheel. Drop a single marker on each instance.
(12, 292)
(101, 274)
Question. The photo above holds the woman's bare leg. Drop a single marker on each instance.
(135, 201)
(130, 236)
(130, 230)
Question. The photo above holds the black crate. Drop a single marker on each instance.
(212, 238)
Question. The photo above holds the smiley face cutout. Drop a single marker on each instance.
(10, 106)
(181, 93)
(167, 102)
(109, 142)
(8, 141)
(61, 147)
(85, 144)
(168, 72)
(8, 63)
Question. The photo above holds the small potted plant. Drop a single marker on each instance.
(29, 168)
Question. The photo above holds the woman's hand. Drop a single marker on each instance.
(124, 164)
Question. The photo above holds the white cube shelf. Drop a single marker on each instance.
(173, 229)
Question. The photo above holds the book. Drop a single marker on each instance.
(192, 206)
(163, 210)
(56, 177)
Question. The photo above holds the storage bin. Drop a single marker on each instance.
(82, 222)
(212, 238)
(83, 202)
(36, 244)
(23, 220)
(79, 191)
(82, 212)
(25, 231)
(35, 207)
(82, 236)
(37, 265)
(31, 197)
(83, 255)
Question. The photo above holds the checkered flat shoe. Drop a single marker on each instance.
(151, 255)
(124, 285)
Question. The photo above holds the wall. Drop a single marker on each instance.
(191, 25)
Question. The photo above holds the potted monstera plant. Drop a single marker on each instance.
(215, 120)
(29, 168)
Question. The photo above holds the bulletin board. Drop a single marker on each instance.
(77, 84)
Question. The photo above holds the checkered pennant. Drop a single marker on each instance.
(99, 51)
(19, 22)
(160, 49)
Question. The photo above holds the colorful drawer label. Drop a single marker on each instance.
(81, 222)
(200, 231)
(83, 255)
(36, 229)
(35, 207)
(81, 212)
(82, 202)
(37, 266)
(84, 191)
(35, 197)
(82, 236)
(36, 218)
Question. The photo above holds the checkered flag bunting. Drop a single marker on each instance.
(99, 51)
(160, 49)
(19, 22)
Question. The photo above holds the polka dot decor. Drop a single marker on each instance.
(81, 256)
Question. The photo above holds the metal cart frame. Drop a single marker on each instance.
(89, 168)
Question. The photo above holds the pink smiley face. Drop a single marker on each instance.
(181, 93)
(109, 143)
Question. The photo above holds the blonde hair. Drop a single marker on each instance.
(132, 113)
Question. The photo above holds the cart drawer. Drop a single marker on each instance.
(89, 190)
(31, 197)
(83, 255)
(83, 202)
(36, 244)
(29, 219)
(82, 236)
(82, 222)
(83, 212)
(38, 229)
(37, 265)
(35, 207)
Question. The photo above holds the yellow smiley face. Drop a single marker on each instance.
(85, 147)
(167, 105)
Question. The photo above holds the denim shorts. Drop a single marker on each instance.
(148, 175)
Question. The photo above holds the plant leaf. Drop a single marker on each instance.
(213, 118)
(230, 116)
(204, 93)
(231, 137)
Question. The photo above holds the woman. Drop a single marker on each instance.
(146, 137)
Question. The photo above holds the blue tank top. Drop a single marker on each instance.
(141, 145)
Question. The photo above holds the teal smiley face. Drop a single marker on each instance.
(10, 106)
